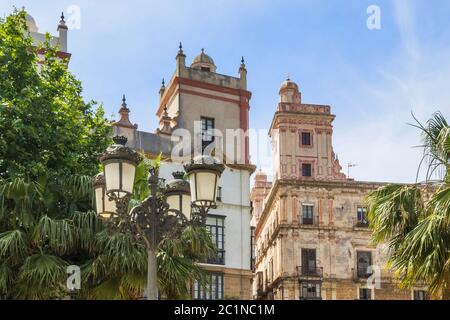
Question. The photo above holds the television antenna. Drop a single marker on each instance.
(350, 165)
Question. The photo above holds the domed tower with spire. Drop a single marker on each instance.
(289, 92)
(203, 62)
(301, 137)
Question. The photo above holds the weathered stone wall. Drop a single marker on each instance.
(334, 235)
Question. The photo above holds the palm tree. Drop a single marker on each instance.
(42, 231)
(48, 225)
(414, 220)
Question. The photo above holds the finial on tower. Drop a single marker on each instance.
(164, 123)
(63, 27)
(243, 74)
(180, 48)
(124, 116)
(162, 89)
(242, 63)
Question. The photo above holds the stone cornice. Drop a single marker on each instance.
(296, 117)
(328, 184)
(176, 81)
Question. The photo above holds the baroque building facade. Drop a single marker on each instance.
(196, 108)
(311, 230)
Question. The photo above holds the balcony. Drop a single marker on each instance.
(260, 285)
(361, 273)
(307, 272)
(313, 222)
(362, 224)
(219, 259)
(310, 297)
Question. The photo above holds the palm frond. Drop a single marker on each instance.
(13, 245)
(87, 225)
(58, 234)
(6, 278)
(394, 211)
(42, 276)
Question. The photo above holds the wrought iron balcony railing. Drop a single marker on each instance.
(362, 224)
(361, 273)
(219, 259)
(310, 297)
(309, 221)
(310, 271)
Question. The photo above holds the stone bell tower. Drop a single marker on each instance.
(301, 137)
(197, 95)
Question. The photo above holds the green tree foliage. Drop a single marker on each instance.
(414, 220)
(44, 122)
(50, 141)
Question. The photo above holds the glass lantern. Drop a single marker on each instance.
(203, 173)
(119, 163)
(178, 195)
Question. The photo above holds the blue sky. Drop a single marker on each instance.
(373, 79)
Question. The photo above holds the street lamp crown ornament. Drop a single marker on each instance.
(119, 151)
(122, 140)
(178, 184)
(203, 162)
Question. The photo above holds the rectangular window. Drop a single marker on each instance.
(306, 170)
(364, 261)
(307, 214)
(308, 262)
(252, 248)
(362, 217)
(216, 226)
(212, 291)
(365, 294)
(310, 290)
(420, 295)
(306, 139)
(207, 131)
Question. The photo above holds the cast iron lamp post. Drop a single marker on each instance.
(161, 215)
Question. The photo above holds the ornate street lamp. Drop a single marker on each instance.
(157, 217)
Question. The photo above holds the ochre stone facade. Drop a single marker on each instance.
(312, 237)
